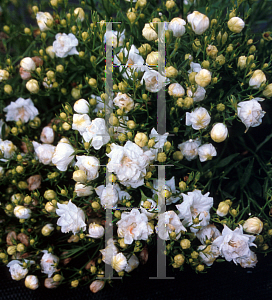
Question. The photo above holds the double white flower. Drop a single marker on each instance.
(65, 45)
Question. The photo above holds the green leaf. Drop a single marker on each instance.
(247, 174)
(227, 160)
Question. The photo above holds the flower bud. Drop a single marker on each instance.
(171, 72)
(8, 89)
(131, 124)
(141, 139)
(198, 22)
(196, 45)
(79, 14)
(20, 247)
(253, 225)
(152, 58)
(252, 49)
(97, 285)
(31, 282)
(50, 283)
(220, 60)
(49, 195)
(268, 91)
(236, 24)
(92, 82)
(149, 33)
(80, 176)
(11, 250)
(49, 51)
(211, 51)
(49, 207)
(223, 209)
(177, 155)
(161, 157)
(185, 244)
(219, 132)
(242, 62)
(47, 229)
(179, 259)
(257, 79)
(203, 77)
(144, 49)
(205, 64)
(28, 64)
(131, 16)
(177, 25)
(33, 86)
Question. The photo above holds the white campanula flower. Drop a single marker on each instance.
(65, 45)
(219, 132)
(133, 226)
(206, 152)
(208, 254)
(97, 133)
(149, 33)
(47, 135)
(195, 205)
(72, 218)
(132, 263)
(89, 164)
(129, 163)
(48, 262)
(124, 102)
(82, 106)
(209, 232)
(199, 118)
(82, 190)
(169, 222)
(63, 154)
(236, 24)
(21, 109)
(160, 140)
(194, 67)
(234, 245)
(253, 225)
(189, 149)
(32, 282)
(177, 25)
(250, 112)
(22, 212)
(44, 152)
(81, 122)
(28, 64)
(95, 231)
(257, 79)
(44, 19)
(169, 186)
(154, 81)
(16, 269)
(119, 262)
(197, 95)
(114, 38)
(203, 77)
(110, 251)
(248, 261)
(176, 90)
(7, 148)
(199, 22)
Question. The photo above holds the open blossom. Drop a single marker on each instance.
(169, 222)
(177, 25)
(150, 208)
(208, 254)
(88, 164)
(63, 154)
(72, 218)
(124, 102)
(21, 109)
(44, 152)
(43, 18)
(28, 64)
(133, 226)
(209, 232)
(248, 261)
(47, 135)
(176, 90)
(250, 112)
(4, 75)
(199, 22)
(114, 38)
(83, 190)
(197, 95)
(257, 79)
(154, 81)
(159, 139)
(132, 263)
(48, 262)
(195, 205)
(206, 152)
(110, 251)
(65, 45)
(81, 122)
(129, 163)
(97, 133)
(189, 149)
(199, 118)
(16, 270)
(119, 262)
(81, 106)
(234, 245)
(95, 231)
(7, 148)
(194, 67)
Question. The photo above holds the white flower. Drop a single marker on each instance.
(22, 212)
(32, 282)
(203, 77)
(95, 231)
(97, 133)
(88, 164)
(176, 90)
(4, 75)
(169, 222)
(257, 79)
(65, 45)
(132, 263)
(63, 155)
(129, 163)
(219, 132)
(16, 270)
(133, 226)
(42, 20)
(44, 152)
(82, 190)
(234, 245)
(199, 22)
(160, 140)
(100, 105)
(114, 38)
(209, 232)
(152, 210)
(124, 102)
(250, 112)
(119, 262)
(236, 24)
(253, 225)
(82, 106)
(199, 118)
(110, 251)
(194, 67)
(223, 209)
(198, 95)
(7, 148)
(33, 86)
(21, 109)
(81, 122)
(72, 218)
(206, 152)
(28, 64)
(177, 25)
(208, 254)
(149, 33)
(79, 13)
(248, 261)
(189, 149)
(48, 262)
(47, 135)
(195, 205)
(169, 186)
(154, 81)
